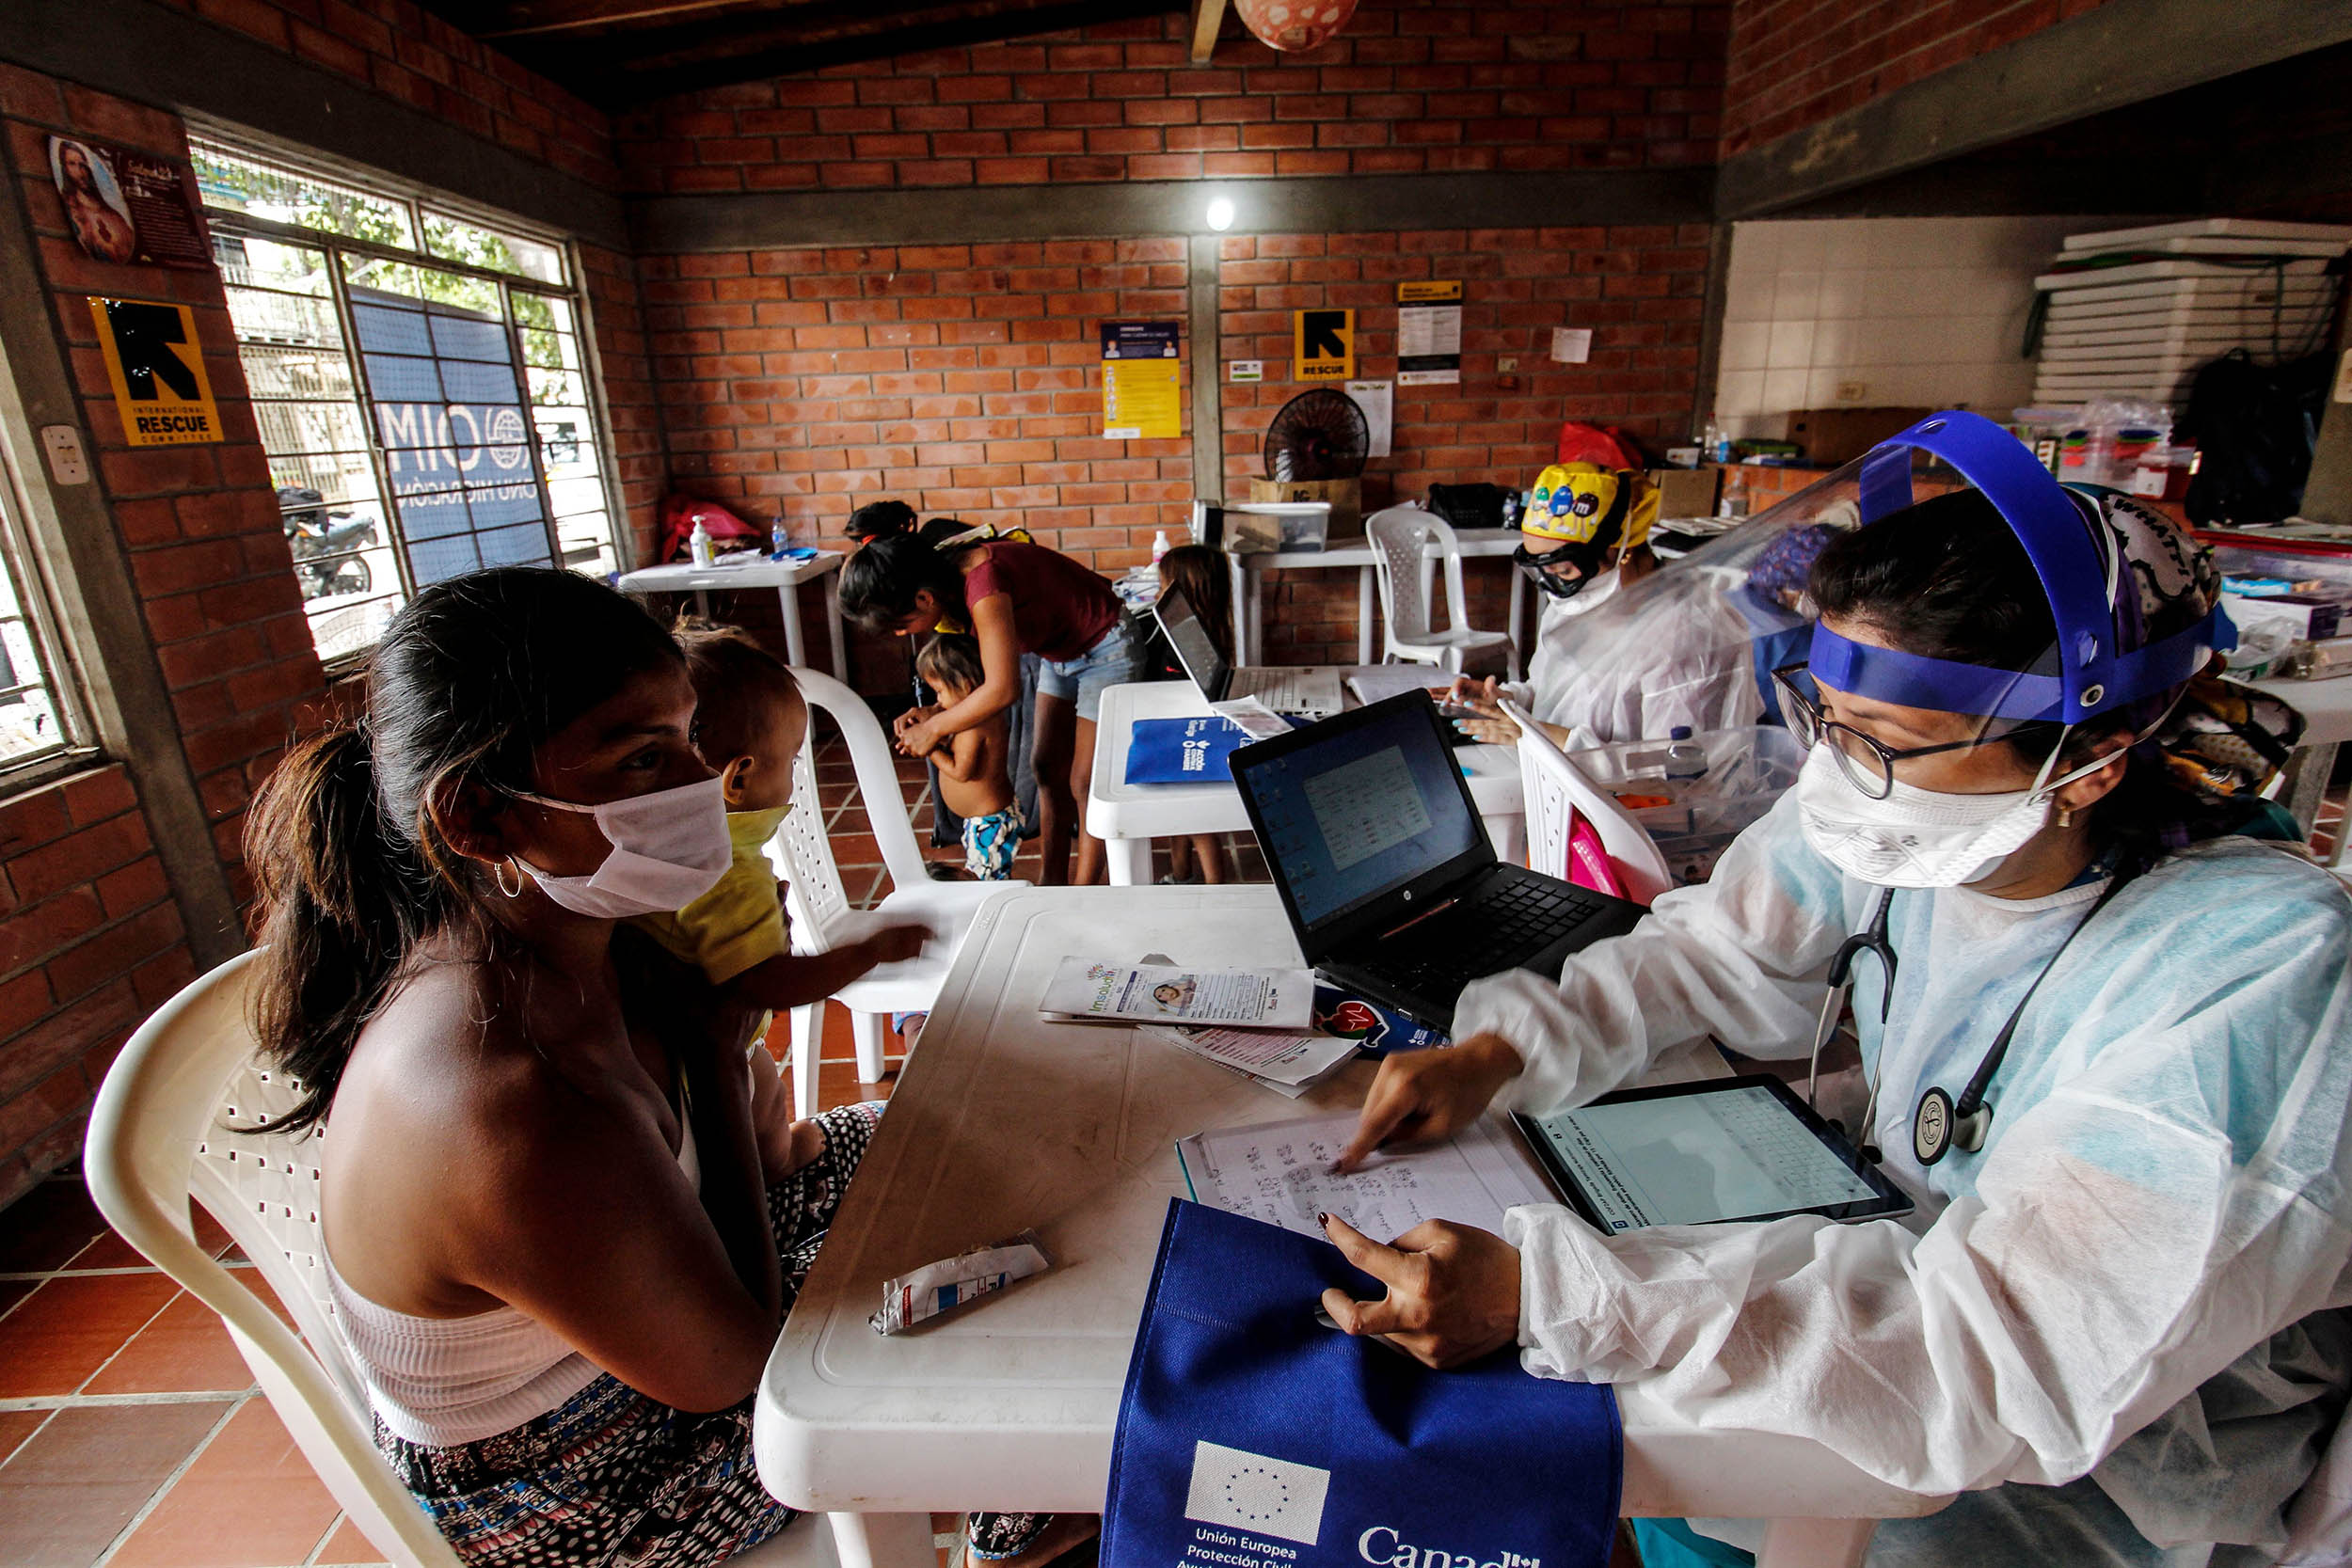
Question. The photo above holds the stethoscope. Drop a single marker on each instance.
(1941, 1123)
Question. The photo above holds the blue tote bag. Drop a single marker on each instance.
(1252, 1436)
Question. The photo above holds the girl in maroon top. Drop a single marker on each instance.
(1016, 598)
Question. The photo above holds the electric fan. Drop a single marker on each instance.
(1318, 435)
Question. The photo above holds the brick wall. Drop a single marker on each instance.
(90, 941)
(1640, 288)
(405, 53)
(1795, 63)
(961, 379)
(91, 938)
(631, 405)
(1409, 86)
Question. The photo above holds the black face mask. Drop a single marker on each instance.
(1538, 569)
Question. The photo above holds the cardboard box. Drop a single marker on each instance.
(1686, 492)
(1346, 497)
(1834, 435)
(2310, 617)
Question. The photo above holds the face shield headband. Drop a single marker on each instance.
(2093, 674)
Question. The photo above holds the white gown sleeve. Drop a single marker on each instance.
(2174, 1200)
(1740, 958)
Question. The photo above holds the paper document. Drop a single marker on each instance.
(1095, 990)
(1275, 1055)
(1257, 721)
(1281, 1172)
(1373, 684)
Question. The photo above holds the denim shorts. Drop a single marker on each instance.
(1114, 661)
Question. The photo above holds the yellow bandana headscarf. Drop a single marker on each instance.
(1585, 504)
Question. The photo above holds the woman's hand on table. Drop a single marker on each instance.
(1424, 1095)
(1484, 721)
(1452, 1297)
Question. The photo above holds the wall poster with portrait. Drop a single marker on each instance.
(127, 207)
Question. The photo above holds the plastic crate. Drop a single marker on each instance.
(1747, 769)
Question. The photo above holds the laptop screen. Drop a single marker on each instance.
(1191, 639)
(1362, 812)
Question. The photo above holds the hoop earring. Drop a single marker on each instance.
(497, 875)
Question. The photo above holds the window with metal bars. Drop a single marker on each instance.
(422, 382)
(38, 719)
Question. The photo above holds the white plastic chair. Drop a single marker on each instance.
(820, 904)
(1403, 539)
(1557, 793)
(177, 1120)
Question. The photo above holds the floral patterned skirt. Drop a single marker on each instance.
(611, 1479)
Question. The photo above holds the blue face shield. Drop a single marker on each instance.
(2087, 673)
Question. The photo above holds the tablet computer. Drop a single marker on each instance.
(1726, 1148)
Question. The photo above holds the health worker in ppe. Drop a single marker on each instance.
(1612, 662)
(2110, 1062)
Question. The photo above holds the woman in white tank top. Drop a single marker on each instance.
(563, 1221)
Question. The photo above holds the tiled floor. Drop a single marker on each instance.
(131, 1432)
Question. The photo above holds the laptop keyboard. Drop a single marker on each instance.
(1288, 691)
(1502, 929)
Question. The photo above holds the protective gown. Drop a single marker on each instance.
(1632, 665)
(2119, 1285)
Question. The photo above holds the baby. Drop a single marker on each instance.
(750, 721)
(973, 782)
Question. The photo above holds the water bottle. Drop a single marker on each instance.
(779, 538)
(1685, 758)
(698, 545)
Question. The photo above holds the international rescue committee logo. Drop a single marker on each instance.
(1258, 1501)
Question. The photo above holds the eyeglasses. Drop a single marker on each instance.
(1867, 763)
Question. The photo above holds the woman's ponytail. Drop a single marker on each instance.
(342, 900)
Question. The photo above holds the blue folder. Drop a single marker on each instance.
(1252, 1436)
(1183, 750)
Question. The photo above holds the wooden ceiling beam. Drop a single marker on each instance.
(1207, 17)
(537, 17)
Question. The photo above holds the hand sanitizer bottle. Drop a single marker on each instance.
(1159, 546)
(698, 543)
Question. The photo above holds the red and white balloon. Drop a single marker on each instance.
(1295, 24)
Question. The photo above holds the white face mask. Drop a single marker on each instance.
(1916, 838)
(669, 849)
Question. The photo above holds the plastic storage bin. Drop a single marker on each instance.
(1693, 820)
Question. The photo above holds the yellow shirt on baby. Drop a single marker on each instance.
(739, 924)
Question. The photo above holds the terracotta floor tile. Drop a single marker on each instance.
(109, 1251)
(69, 1491)
(348, 1548)
(16, 1425)
(47, 1225)
(67, 1329)
(186, 1350)
(250, 1500)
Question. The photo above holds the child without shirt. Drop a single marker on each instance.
(750, 721)
(973, 782)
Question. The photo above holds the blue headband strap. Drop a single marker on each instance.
(2045, 523)
(1912, 680)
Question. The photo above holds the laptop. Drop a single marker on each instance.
(1312, 691)
(1385, 868)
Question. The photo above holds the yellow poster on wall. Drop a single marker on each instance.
(1141, 400)
(1323, 345)
(156, 366)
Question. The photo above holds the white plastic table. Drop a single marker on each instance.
(1249, 585)
(2327, 709)
(1003, 1122)
(785, 577)
(1127, 817)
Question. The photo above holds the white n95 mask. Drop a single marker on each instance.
(669, 849)
(1915, 838)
